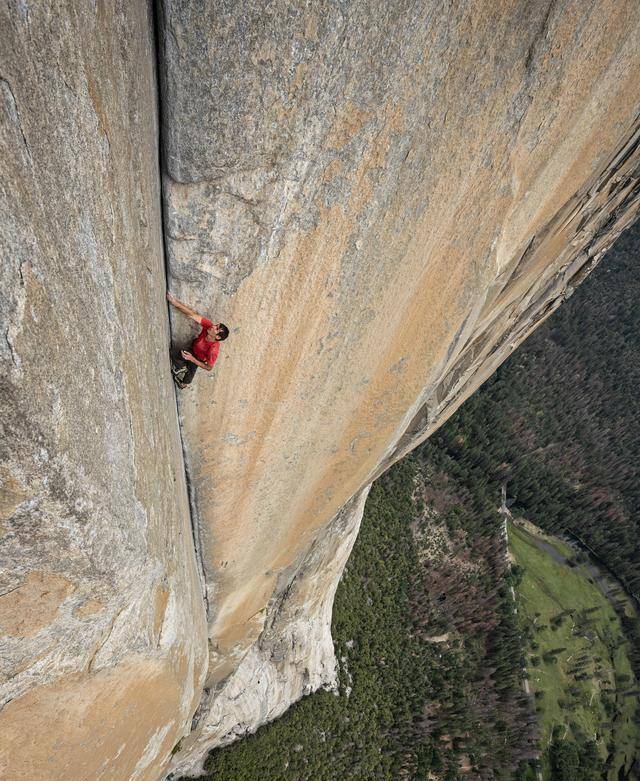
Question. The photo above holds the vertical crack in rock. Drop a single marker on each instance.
(14, 113)
(193, 508)
(294, 653)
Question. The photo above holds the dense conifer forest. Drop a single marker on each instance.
(429, 648)
(559, 423)
(430, 655)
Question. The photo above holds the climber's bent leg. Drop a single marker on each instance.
(182, 371)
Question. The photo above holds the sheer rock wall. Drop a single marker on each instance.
(381, 200)
(102, 631)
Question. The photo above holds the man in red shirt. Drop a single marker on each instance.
(204, 348)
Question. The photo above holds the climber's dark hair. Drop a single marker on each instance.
(223, 332)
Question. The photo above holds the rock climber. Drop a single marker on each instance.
(204, 348)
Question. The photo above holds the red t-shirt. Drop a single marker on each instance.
(205, 351)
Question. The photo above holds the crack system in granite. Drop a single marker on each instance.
(191, 494)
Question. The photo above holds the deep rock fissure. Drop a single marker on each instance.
(156, 21)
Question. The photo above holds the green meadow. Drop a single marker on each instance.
(577, 658)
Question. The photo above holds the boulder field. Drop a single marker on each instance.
(381, 200)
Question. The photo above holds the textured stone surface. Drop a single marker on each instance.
(294, 654)
(102, 633)
(382, 200)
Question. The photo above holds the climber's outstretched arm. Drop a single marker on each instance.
(184, 308)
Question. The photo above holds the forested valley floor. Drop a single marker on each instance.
(431, 652)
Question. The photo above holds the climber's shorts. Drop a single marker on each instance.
(182, 371)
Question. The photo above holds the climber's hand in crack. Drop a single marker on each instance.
(186, 310)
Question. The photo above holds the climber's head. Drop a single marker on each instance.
(218, 332)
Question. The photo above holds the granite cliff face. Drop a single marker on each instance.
(381, 200)
(103, 644)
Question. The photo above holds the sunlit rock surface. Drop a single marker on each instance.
(381, 200)
(102, 632)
